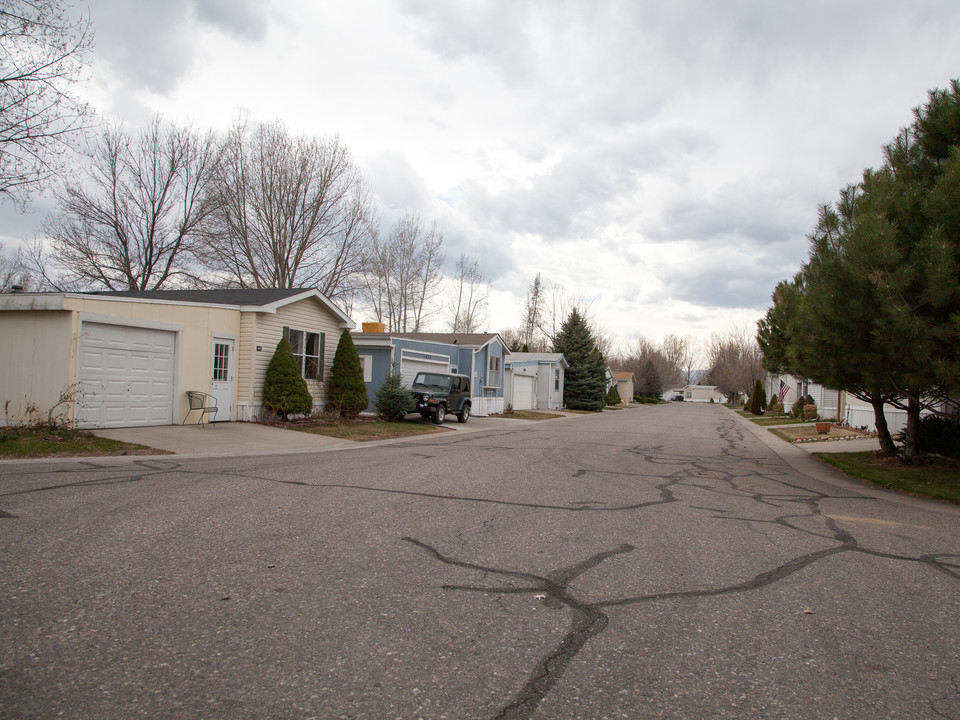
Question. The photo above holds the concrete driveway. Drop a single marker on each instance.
(243, 439)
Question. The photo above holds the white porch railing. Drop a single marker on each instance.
(486, 405)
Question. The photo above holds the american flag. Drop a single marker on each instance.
(783, 391)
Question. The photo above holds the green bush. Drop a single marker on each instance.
(940, 435)
(284, 389)
(613, 396)
(758, 400)
(347, 391)
(393, 400)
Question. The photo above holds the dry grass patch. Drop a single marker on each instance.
(41, 442)
(528, 415)
(808, 433)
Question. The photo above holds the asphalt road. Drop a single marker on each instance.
(658, 562)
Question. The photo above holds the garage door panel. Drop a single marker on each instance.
(409, 367)
(523, 386)
(126, 375)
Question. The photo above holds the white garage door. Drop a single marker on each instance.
(409, 367)
(126, 376)
(523, 386)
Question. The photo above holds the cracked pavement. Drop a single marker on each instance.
(659, 562)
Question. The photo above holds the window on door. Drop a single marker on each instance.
(221, 362)
(493, 372)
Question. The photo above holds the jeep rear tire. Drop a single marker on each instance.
(464, 414)
(439, 415)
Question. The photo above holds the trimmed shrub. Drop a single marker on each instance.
(347, 391)
(758, 400)
(284, 389)
(775, 408)
(939, 435)
(810, 412)
(393, 400)
(797, 409)
(613, 396)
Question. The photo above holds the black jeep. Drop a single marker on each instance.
(437, 394)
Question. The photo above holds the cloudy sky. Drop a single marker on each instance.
(662, 161)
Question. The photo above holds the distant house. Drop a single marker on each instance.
(480, 356)
(131, 357)
(534, 381)
(835, 404)
(624, 384)
(829, 402)
(701, 393)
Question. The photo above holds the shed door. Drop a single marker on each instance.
(410, 367)
(523, 390)
(125, 375)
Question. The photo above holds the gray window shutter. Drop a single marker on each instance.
(321, 358)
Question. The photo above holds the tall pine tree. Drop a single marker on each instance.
(585, 381)
(876, 308)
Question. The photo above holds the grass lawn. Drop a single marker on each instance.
(808, 433)
(364, 430)
(935, 477)
(528, 415)
(778, 420)
(48, 442)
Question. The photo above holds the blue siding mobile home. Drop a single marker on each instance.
(480, 356)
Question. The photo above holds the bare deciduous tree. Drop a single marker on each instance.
(683, 354)
(130, 219)
(531, 324)
(735, 361)
(402, 274)
(13, 274)
(290, 212)
(467, 305)
(43, 49)
(646, 351)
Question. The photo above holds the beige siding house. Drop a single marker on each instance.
(624, 384)
(702, 393)
(124, 359)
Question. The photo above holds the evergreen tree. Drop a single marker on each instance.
(347, 391)
(393, 400)
(874, 310)
(650, 383)
(284, 389)
(585, 382)
(613, 396)
(758, 400)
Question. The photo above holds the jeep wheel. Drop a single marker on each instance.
(439, 415)
(464, 414)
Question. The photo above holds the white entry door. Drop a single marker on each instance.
(221, 378)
